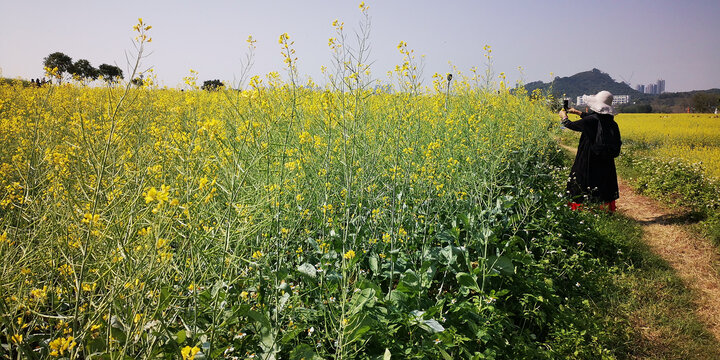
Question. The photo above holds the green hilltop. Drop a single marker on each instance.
(583, 83)
(593, 81)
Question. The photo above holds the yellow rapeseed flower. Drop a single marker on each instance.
(60, 345)
(189, 353)
(150, 195)
(350, 254)
(89, 286)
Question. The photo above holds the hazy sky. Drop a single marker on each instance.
(637, 41)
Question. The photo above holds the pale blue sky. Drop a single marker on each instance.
(635, 40)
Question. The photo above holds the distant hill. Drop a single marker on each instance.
(584, 83)
(593, 81)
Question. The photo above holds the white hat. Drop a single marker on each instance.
(600, 103)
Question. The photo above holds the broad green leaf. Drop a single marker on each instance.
(359, 329)
(259, 317)
(303, 351)
(434, 326)
(360, 299)
(409, 283)
(446, 236)
(467, 280)
(445, 355)
(267, 339)
(502, 265)
(181, 336)
(308, 269)
(373, 262)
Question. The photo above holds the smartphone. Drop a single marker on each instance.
(565, 104)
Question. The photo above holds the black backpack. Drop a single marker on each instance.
(607, 140)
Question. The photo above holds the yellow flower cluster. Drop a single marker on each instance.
(188, 353)
(59, 346)
(694, 138)
(197, 188)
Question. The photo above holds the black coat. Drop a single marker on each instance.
(592, 178)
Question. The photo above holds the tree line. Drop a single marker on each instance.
(81, 69)
(84, 71)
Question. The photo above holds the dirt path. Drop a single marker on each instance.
(694, 259)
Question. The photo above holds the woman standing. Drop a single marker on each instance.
(593, 178)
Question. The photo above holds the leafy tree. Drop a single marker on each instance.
(60, 61)
(635, 108)
(110, 73)
(212, 85)
(704, 102)
(83, 70)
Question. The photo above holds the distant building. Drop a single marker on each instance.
(657, 88)
(621, 99)
(661, 86)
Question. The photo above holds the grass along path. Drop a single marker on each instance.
(693, 258)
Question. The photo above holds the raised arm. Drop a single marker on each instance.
(579, 125)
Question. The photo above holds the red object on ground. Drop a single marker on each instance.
(609, 206)
(575, 206)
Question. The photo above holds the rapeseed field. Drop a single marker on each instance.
(288, 221)
(693, 138)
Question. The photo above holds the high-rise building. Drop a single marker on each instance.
(657, 88)
(660, 86)
(654, 88)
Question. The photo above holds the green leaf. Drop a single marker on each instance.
(427, 273)
(409, 283)
(359, 328)
(333, 276)
(303, 351)
(181, 336)
(433, 325)
(373, 262)
(502, 264)
(308, 270)
(267, 336)
(290, 335)
(164, 298)
(262, 319)
(467, 280)
(446, 236)
(445, 355)
(465, 220)
(360, 299)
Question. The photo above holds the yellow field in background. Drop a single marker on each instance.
(690, 137)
